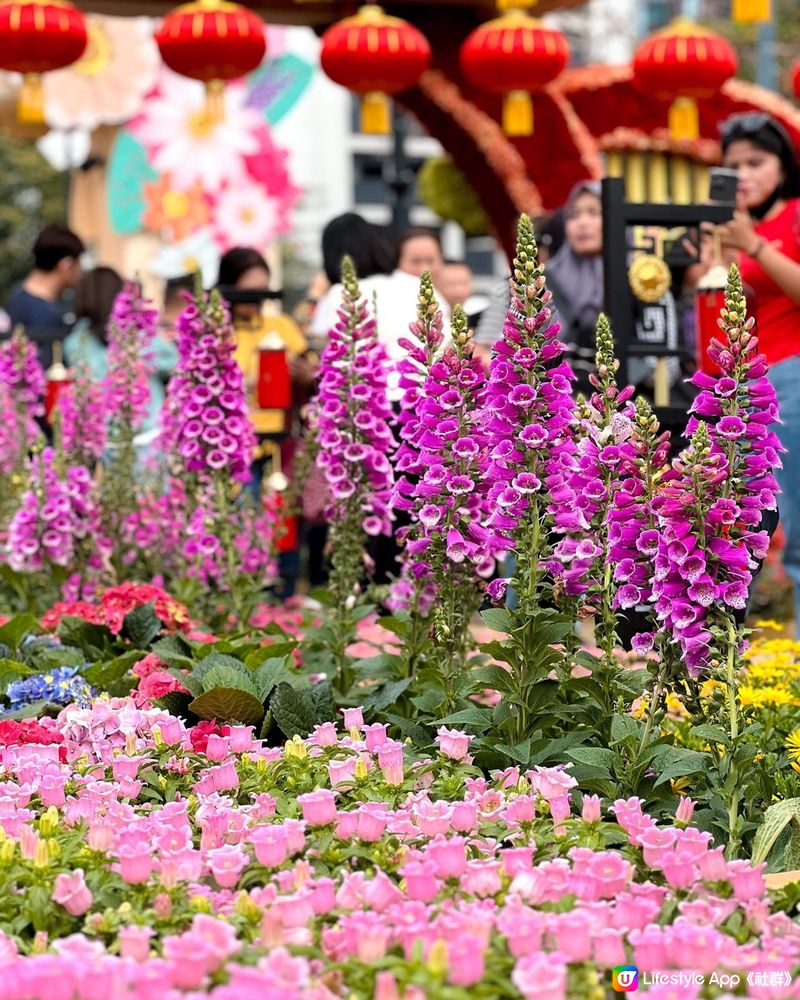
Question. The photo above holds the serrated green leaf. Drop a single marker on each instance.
(220, 660)
(492, 677)
(269, 675)
(635, 682)
(322, 701)
(190, 681)
(266, 725)
(775, 819)
(387, 694)
(228, 705)
(501, 650)
(292, 710)
(92, 639)
(430, 701)
(14, 631)
(33, 710)
(395, 625)
(223, 676)
(791, 857)
(499, 620)
(175, 703)
(275, 651)
(113, 676)
(142, 625)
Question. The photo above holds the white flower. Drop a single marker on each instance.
(110, 81)
(197, 253)
(65, 149)
(245, 216)
(183, 142)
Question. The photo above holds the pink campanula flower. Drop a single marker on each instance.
(71, 892)
(319, 806)
(541, 974)
(453, 742)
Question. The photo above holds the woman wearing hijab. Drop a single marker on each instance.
(764, 237)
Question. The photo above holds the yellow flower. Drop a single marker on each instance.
(793, 745)
(674, 705)
(770, 623)
(680, 786)
(638, 710)
(707, 688)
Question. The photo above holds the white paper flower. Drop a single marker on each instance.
(245, 215)
(185, 144)
(65, 149)
(109, 83)
(197, 253)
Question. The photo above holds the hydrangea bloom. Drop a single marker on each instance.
(206, 425)
(62, 686)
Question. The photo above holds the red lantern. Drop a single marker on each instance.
(57, 378)
(37, 36)
(794, 78)
(683, 63)
(514, 55)
(373, 54)
(212, 41)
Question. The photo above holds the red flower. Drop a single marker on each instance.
(116, 602)
(13, 733)
(199, 734)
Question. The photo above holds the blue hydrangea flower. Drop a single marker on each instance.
(61, 686)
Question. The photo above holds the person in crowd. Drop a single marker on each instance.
(575, 277)
(175, 292)
(394, 290)
(419, 250)
(244, 281)
(87, 342)
(456, 287)
(764, 237)
(36, 303)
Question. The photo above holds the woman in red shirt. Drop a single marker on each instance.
(765, 231)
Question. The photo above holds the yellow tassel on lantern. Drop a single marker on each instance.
(518, 113)
(30, 104)
(375, 114)
(751, 10)
(683, 119)
(215, 102)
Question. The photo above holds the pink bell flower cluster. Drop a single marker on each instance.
(131, 329)
(22, 387)
(275, 872)
(81, 407)
(443, 447)
(56, 515)
(709, 508)
(528, 412)
(353, 433)
(206, 427)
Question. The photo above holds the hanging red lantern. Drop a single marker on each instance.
(374, 55)
(37, 36)
(212, 41)
(683, 63)
(794, 79)
(514, 55)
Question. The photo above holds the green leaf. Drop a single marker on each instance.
(293, 711)
(142, 625)
(520, 753)
(635, 682)
(228, 705)
(492, 677)
(269, 675)
(430, 701)
(398, 626)
(34, 710)
(12, 670)
(109, 676)
(322, 701)
(623, 727)
(275, 651)
(710, 733)
(498, 619)
(677, 763)
(791, 857)
(93, 639)
(173, 650)
(222, 676)
(775, 819)
(14, 631)
(175, 703)
(594, 757)
(478, 718)
(387, 694)
(500, 650)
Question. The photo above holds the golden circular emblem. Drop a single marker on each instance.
(649, 278)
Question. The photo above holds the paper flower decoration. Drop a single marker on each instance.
(197, 253)
(245, 215)
(173, 213)
(194, 149)
(109, 83)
